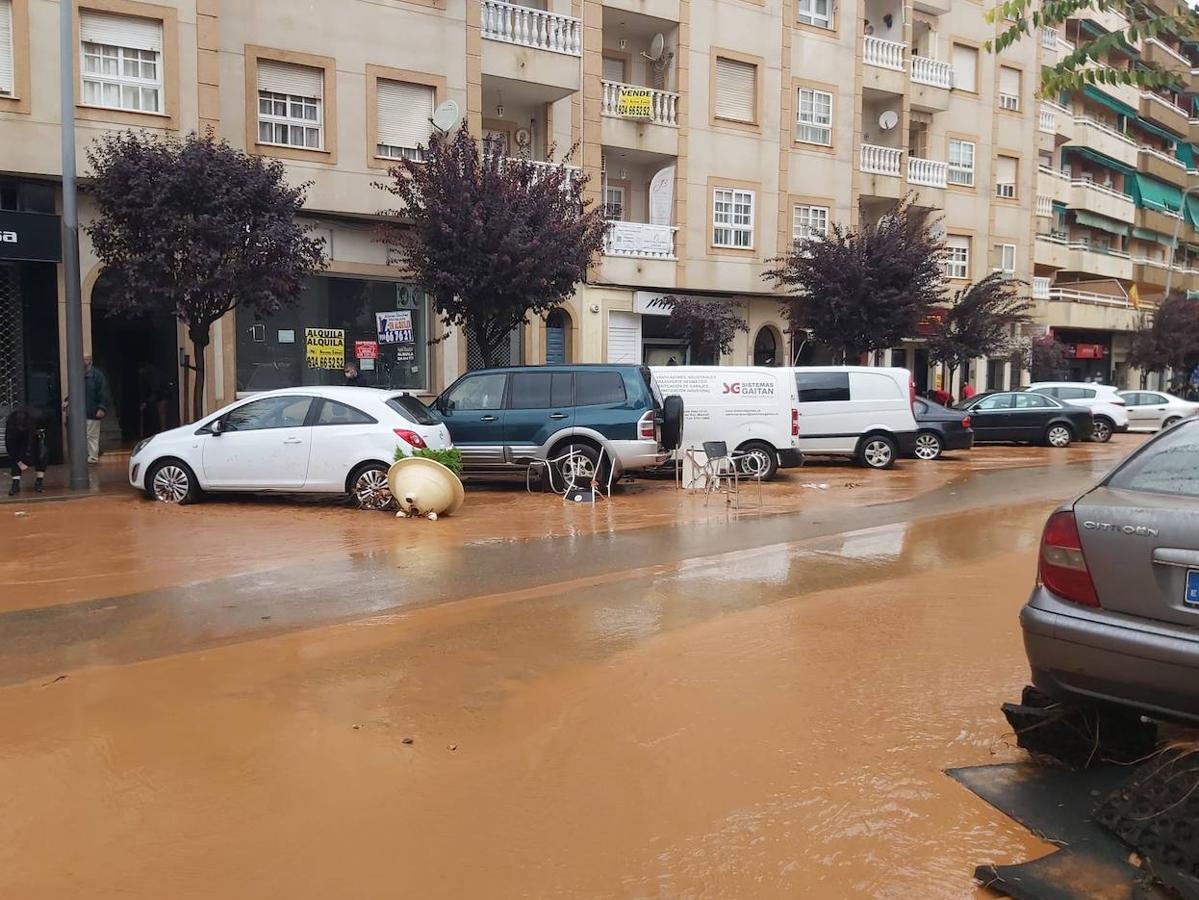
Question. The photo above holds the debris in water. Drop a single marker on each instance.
(407, 741)
(55, 681)
(452, 747)
(20, 512)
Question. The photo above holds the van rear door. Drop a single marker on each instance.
(880, 402)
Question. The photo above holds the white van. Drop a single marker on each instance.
(751, 408)
(856, 411)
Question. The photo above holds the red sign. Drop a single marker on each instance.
(1089, 351)
(366, 350)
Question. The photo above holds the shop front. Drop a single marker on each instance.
(1088, 354)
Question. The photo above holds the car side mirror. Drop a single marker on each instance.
(445, 405)
(216, 427)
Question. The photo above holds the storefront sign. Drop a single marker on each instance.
(30, 237)
(1089, 351)
(406, 353)
(394, 327)
(366, 350)
(325, 348)
(635, 103)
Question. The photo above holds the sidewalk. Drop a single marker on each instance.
(109, 476)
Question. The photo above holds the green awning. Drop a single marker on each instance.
(1159, 131)
(1090, 220)
(1116, 106)
(1186, 153)
(1153, 194)
(1101, 158)
(1193, 210)
(1145, 234)
(1059, 206)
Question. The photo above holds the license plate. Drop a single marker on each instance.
(1191, 595)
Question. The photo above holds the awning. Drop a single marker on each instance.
(1193, 211)
(1154, 194)
(1090, 220)
(1123, 109)
(1101, 158)
(1185, 152)
(1145, 234)
(1160, 132)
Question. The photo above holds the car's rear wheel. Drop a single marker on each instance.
(1173, 420)
(758, 459)
(172, 481)
(1102, 430)
(1059, 435)
(928, 446)
(877, 451)
(369, 488)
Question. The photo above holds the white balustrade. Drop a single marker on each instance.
(1049, 38)
(1040, 287)
(884, 54)
(928, 172)
(1044, 205)
(881, 160)
(640, 240)
(663, 106)
(531, 27)
(1048, 120)
(932, 71)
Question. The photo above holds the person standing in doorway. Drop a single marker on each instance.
(25, 442)
(98, 400)
(968, 390)
(352, 378)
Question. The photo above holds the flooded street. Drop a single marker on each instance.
(653, 698)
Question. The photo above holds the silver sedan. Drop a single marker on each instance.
(1153, 410)
(1114, 616)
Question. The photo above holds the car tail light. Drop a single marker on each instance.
(411, 437)
(794, 422)
(645, 427)
(966, 422)
(1063, 567)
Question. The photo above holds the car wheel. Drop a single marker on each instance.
(1102, 430)
(758, 459)
(877, 452)
(928, 446)
(1059, 435)
(1173, 420)
(578, 469)
(172, 481)
(369, 488)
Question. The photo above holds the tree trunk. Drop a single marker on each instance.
(200, 339)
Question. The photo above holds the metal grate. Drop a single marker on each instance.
(503, 355)
(12, 350)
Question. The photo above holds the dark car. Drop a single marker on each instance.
(1114, 616)
(1013, 416)
(939, 428)
(503, 419)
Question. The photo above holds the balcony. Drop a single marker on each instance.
(1047, 120)
(933, 72)
(1052, 250)
(1152, 272)
(640, 118)
(640, 240)
(1053, 184)
(531, 47)
(531, 27)
(1157, 220)
(1159, 54)
(1040, 288)
(882, 172)
(1108, 19)
(1044, 206)
(1163, 112)
(1162, 165)
(884, 54)
(927, 172)
(1098, 136)
(1102, 201)
(880, 160)
(1095, 259)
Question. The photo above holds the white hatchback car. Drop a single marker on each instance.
(1153, 410)
(1104, 401)
(327, 440)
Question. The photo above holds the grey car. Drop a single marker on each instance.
(1114, 617)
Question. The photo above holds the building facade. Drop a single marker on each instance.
(713, 135)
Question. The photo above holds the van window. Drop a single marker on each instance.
(539, 390)
(483, 391)
(822, 387)
(869, 386)
(594, 388)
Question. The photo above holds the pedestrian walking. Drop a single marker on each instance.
(968, 391)
(25, 441)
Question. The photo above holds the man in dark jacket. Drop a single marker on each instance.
(25, 442)
(98, 400)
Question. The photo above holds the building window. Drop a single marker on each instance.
(1006, 177)
(7, 65)
(1009, 88)
(614, 69)
(809, 222)
(614, 203)
(965, 68)
(403, 110)
(733, 218)
(736, 90)
(961, 163)
(814, 117)
(122, 61)
(290, 105)
(816, 12)
(1005, 258)
(957, 256)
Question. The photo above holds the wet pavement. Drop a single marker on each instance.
(649, 698)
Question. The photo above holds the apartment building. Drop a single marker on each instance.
(713, 133)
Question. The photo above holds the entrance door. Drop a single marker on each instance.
(263, 445)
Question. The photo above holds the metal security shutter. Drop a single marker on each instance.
(1009, 81)
(624, 337)
(404, 110)
(6, 62)
(736, 84)
(283, 78)
(965, 68)
(613, 69)
(120, 31)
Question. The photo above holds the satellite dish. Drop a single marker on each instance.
(656, 46)
(888, 120)
(446, 115)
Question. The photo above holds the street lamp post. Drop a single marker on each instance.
(76, 399)
(1182, 211)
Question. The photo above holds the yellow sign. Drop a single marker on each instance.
(635, 103)
(325, 348)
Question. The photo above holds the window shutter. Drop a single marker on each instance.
(6, 51)
(282, 78)
(403, 113)
(624, 337)
(613, 69)
(120, 31)
(1006, 170)
(965, 67)
(1009, 81)
(735, 89)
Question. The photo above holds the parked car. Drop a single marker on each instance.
(1014, 416)
(939, 428)
(1153, 410)
(328, 440)
(754, 410)
(861, 412)
(1104, 401)
(1114, 615)
(503, 419)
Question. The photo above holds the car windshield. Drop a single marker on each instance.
(413, 410)
(1169, 465)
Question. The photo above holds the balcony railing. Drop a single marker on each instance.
(631, 101)
(1166, 48)
(1100, 189)
(1047, 120)
(1074, 296)
(1164, 157)
(637, 239)
(1087, 120)
(1040, 287)
(928, 172)
(1170, 105)
(1049, 38)
(881, 160)
(1044, 205)
(532, 27)
(1102, 249)
(1064, 44)
(932, 71)
(884, 54)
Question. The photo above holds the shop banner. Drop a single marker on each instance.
(366, 350)
(394, 327)
(325, 348)
(635, 103)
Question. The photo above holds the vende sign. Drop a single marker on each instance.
(30, 237)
